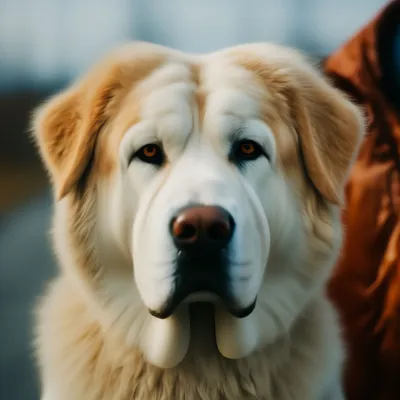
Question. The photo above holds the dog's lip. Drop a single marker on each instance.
(206, 277)
(205, 297)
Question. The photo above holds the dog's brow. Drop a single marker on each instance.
(238, 133)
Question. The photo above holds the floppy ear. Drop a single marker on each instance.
(65, 129)
(67, 126)
(330, 129)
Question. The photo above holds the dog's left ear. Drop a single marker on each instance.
(330, 128)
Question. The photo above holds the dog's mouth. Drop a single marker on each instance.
(204, 281)
(203, 277)
(203, 296)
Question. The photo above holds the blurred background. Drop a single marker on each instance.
(44, 44)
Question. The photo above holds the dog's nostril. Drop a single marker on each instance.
(219, 231)
(185, 231)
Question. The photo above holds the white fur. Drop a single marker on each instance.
(198, 172)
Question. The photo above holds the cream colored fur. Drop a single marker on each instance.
(95, 336)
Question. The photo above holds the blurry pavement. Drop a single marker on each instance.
(26, 262)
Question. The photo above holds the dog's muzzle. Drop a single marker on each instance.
(202, 235)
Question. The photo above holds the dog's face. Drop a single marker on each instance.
(199, 178)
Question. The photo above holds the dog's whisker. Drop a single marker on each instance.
(167, 263)
(234, 279)
(245, 263)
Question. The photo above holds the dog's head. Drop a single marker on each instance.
(213, 178)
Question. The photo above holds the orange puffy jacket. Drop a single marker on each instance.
(366, 283)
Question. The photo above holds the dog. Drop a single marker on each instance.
(196, 223)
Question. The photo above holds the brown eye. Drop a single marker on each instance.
(150, 154)
(246, 150)
(150, 151)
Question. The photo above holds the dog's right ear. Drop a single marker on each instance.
(56, 128)
(66, 128)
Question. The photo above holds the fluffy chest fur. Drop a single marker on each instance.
(87, 363)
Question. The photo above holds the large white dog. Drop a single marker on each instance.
(196, 224)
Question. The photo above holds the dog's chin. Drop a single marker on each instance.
(165, 341)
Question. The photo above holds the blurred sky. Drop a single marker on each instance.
(45, 42)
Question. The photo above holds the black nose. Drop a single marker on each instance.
(202, 228)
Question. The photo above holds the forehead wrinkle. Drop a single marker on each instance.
(170, 97)
(128, 73)
(175, 127)
(173, 139)
(169, 73)
(200, 94)
(232, 90)
(228, 111)
(273, 80)
(131, 112)
(266, 85)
